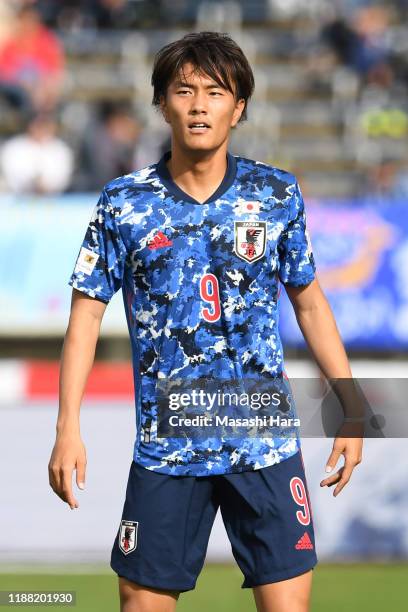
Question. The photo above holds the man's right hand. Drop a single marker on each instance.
(68, 454)
(77, 357)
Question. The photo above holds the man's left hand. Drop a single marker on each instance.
(351, 448)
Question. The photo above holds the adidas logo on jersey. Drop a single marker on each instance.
(159, 240)
(304, 543)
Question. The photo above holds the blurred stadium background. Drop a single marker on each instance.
(331, 106)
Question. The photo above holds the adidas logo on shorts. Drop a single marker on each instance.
(304, 543)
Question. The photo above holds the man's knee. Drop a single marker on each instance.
(138, 598)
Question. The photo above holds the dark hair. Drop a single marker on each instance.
(212, 53)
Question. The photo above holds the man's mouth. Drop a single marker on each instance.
(198, 127)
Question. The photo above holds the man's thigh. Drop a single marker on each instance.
(163, 534)
(291, 595)
(137, 598)
(268, 518)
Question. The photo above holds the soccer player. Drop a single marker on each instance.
(199, 243)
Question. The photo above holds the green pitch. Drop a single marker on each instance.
(359, 588)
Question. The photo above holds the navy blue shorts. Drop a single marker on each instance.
(166, 523)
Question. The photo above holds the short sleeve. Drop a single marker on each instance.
(100, 264)
(296, 262)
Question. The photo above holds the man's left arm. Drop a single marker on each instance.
(318, 326)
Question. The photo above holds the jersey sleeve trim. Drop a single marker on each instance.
(100, 265)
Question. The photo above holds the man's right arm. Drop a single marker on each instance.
(77, 358)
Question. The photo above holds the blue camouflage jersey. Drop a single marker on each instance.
(200, 285)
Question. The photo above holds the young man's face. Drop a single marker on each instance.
(196, 98)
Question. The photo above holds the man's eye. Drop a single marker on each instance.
(184, 91)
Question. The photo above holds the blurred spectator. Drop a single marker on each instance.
(12, 93)
(75, 15)
(6, 20)
(51, 10)
(111, 14)
(32, 61)
(384, 181)
(361, 43)
(108, 146)
(37, 161)
(150, 147)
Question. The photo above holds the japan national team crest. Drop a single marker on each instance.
(250, 239)
(128, 536)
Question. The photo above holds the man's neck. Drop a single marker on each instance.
(198, 174)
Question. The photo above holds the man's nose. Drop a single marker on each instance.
(198, 102)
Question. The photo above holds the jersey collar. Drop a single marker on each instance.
(175, 190)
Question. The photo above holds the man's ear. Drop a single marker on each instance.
(239, 109)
